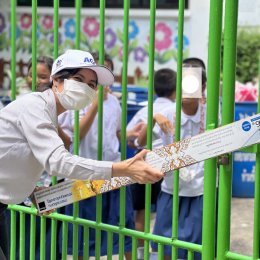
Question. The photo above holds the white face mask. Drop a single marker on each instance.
(75, 95)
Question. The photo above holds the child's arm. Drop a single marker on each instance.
(163, 122)
(87, 120)
(64, 137)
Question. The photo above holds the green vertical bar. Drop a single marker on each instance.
(56, 28)
(209, 197)
(149, 121)
(190, 255)
(78, 5)
(175, 201)
(64, 240)
(160, 251)
(43, 238)
(100, 125)
(13, 235)
(32, 236)
(109, 245)
(257, 187)
(229, 77)
(54, 178)
(134, 248)
(53, 238)
(124, 122)
(86, 243)
(22, 236)
(13, 49)
(34, 43)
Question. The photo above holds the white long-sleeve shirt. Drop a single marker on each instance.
(29, 143)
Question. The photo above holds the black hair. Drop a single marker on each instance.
(164, 82)
(61, 75)
(48, 61)
(65, 73)
(107, 58)
(196, 63)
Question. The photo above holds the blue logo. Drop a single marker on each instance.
(58, 63)
(89, 60)
(246, 126)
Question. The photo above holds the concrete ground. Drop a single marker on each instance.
(242, 212)
(241, 234)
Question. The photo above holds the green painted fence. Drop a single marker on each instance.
(207, 248)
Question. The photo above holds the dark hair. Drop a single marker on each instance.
(107, 58)
(196, 62)
(164, 82)
(61, 75)
(48, 61)
(66, 73)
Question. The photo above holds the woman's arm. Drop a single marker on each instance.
(87, 120)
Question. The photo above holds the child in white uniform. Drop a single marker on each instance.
(164, 88)
(191, 179)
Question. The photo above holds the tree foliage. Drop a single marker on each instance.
(248, 49)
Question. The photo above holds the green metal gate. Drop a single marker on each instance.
(207, 248)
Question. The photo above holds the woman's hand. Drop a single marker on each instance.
(34, 202)
(164, 123)
(137, 169)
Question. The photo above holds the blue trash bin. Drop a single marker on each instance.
(244, 163)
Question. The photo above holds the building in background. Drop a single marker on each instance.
(195, 42)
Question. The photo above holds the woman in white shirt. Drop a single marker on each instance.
(29, 142)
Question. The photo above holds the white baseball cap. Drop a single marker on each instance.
(73, 59)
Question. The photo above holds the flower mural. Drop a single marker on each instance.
(59, 38)
(70, 28)
(26, 21)
(47, 22)
(91, 27)
(186, 42)
(110, 38)
(162, 36)
(133, 30)
(140, 54)
(166, 41)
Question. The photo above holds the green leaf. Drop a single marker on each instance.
(133, 44)
(114, 51)
(120, 35)
(167, 55)
(95, 45)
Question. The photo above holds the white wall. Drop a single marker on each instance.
(199, 23)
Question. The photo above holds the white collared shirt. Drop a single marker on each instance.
(111, 125)
(191, 179)
(29, 143)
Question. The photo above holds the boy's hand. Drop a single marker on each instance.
(164, 123)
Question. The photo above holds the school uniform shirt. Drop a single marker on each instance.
(29, 143)
(111, 125)
(191, 178)
(160, 104)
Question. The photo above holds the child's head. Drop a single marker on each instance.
(165, 83)
(43, 73)
(108, 62)
(197, 63)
